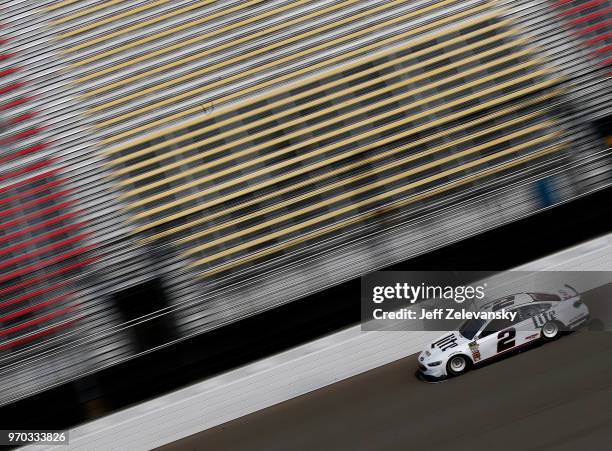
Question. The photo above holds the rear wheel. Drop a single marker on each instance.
(458, 364)
(551, 331)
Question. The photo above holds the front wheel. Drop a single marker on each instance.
(457, 365)
(551, 331)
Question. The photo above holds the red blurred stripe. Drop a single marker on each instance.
(28, 180)
(32, 203)
(601, 37)
(590, 16)
(26, 169)
(47, 275)
(36, 214)
(31, 337)
(35, 321)
(5, 56)
(44, 250)
(23, 152)
(33, 294)
(40, 225)
(22, 135)
(595, 27)
(42, 263)
(21, 118)
(12, 87)
(9, 71)
(582, 7)
(51, 234)
(605, 49)
(34, 190)
(33, 308)
(14, 103)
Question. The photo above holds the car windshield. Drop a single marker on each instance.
(540, 297)
(470, 327)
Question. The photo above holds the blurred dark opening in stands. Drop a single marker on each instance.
(141, 300)
(604, 126)
(295, 323)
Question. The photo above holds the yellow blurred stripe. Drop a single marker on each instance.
(322, 125)
(59, 5)
(173, 30)
(294, 85)
(277, 166)
(131, 28)
(289, 175)
(362, 189)
(240, 75)
(113, 18)
(352, 166)
(364, 216)
(231, 43)
(365, 202)
(311, 68)
(319, 101)
(85, 11)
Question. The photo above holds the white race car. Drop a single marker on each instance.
(539, 316)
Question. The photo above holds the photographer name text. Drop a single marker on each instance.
(443, 313)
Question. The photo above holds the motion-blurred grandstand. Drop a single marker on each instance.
(168, 167)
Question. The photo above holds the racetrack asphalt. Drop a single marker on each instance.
(556, 396)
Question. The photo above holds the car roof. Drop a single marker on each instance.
(507, 302)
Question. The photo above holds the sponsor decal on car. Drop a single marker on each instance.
(475, 350)
(543, 318)
(450, 341)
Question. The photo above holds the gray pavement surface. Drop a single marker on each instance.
(552, 397)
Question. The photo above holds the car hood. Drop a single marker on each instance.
(446, 344)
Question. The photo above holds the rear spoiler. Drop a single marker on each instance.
(571, 292)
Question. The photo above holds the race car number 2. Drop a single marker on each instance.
(506, 340)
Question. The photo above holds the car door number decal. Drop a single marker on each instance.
(506, 340)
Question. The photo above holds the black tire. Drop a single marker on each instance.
(551, 331)
(457, 365)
